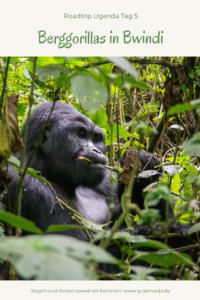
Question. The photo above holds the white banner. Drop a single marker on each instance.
(99, 28)
(75, 290)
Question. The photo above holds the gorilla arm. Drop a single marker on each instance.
(39, 204)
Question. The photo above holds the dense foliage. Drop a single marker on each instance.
(144, 103)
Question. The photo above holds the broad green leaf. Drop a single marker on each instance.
(100, 117)
(148, 173)
(166, 259)
(27, 74)
(141, 276)
(176, 183)
(121, 131)
(125, 65)
(52, 257)
(21, 109)
(51, 266)
(89, 91)
(147, 270)
(19, 222)
(2, 231)
(149, 215)
(137, 240)
(34, 259)
(14, 161)
(179, 108)
(158, 193)
(172, 169)
(56, 70)
(192, 146)
(194, 228)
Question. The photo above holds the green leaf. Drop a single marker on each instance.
(56, 70)
(51, 266)
(166, 259)
(158, 193)
(100, 117)
(141, 276)
(137, 83)
(172, 169)
(121, 131)
(137, 240)
(125, 65)
(21, 109)
(27, 74)
(176, 183)
(192, 146)
(58, 228)
(49, 60)
(52, 257)
(2, 232)
(194, 228)
(13, 161)
(149, 215)
(89, 91)
(34, 173)
(37, 174)
(90, 225)
(180, 108)
(19, 222)
(177, 127)
(148, 173)
(146, 271)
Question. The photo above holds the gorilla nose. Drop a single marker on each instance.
(96, 150)
(95, 154)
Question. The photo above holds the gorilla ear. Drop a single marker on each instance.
(42, 139)
(46, 133)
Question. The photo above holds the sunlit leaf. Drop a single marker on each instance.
(89, 91)
(125, 65)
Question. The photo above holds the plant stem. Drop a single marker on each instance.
(127, 206)
(4, 86)
(22, 161)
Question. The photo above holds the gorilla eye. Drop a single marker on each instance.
(82, 132)
(97, 138)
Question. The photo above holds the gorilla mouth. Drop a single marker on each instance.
(83, 158)
(86, 159)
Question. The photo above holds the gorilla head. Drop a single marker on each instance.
(69, 137)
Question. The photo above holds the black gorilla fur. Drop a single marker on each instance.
(85, 186)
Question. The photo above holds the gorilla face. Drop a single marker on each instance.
(86, 152)
(73, 150)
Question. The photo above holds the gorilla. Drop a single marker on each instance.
(71, 156)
